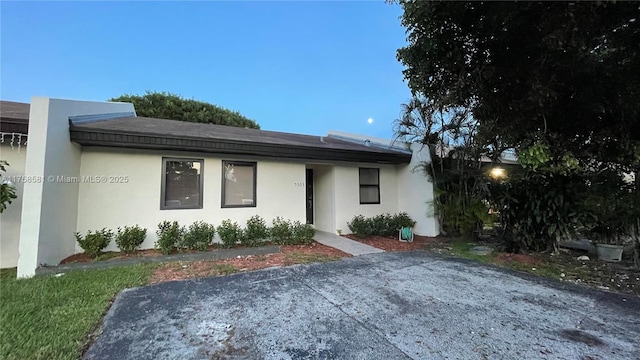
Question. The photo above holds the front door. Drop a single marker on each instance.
(309, 196)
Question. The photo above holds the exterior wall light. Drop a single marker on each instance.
(498, 173)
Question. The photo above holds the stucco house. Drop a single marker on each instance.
(14, 124)
(90, 165)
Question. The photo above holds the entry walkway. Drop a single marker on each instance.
(342, 243)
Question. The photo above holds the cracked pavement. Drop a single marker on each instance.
(412, 305)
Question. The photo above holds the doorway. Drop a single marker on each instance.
(309, 196)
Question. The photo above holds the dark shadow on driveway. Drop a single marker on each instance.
(383, 306)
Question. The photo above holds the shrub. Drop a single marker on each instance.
(360, 226)
(198, 237)
(169, 235)
(399, 221)
(538, 209)
(230, 233)
(382, 225)
(281, 232)
(256, 231)
(94, 242)
(130, 238)
(302, 234)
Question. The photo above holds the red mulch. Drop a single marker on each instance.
(393, 244)
(82, 257)
(186, 270)
(75, 258)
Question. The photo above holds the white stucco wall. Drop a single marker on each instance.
(347, 194)
(324, 198)
(280, 192)
(415, 192)
(10, 218)
(50, 207)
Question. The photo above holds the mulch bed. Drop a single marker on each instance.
(112, 255)
(82, 257)
(393, 244)
(193, 269)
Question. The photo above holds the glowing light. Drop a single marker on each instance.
(370, 120)
(498, 173)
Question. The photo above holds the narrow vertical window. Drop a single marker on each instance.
(369, 186)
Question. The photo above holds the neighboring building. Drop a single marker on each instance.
(14, 124)
(99, 165)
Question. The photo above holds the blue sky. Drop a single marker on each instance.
(304, 67)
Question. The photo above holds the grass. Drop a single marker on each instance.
(301, 258)
(462, 248)
(224, 269)
(50, 317)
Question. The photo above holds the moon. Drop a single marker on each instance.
(370, 120)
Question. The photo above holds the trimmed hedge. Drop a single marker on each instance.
(381, 225)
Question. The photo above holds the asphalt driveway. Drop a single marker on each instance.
(380, 306)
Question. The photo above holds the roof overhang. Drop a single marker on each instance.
(109, 138)
(10, 125)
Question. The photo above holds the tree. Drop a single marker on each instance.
(171, 106)
(7, 190)
(558, 82)
(563, 73)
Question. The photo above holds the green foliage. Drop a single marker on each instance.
(94, 242)
(398, 221)
(534, 156)
(7, 191)
(459, 215)
(381, 225)
(489, 77)
(169, 236)
(361, 226)
(302, 234)
(611, 208)
(198, 237)
(170, 106)
(281, 231)
(230, 233)
(537, 209)
(51, 318)
(505, 63)
(256, 231)
(130, 238)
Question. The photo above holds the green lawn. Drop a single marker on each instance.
(51, 317)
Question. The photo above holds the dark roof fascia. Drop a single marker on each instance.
(100, 137)
(14, 125)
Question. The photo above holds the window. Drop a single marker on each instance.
(181, 184)
(369, 186)
(238, 184)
